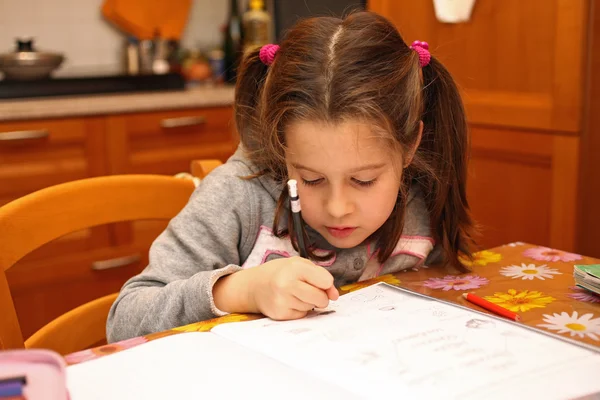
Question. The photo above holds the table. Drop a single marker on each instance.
(537, 282)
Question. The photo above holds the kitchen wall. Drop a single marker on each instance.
(76, 28)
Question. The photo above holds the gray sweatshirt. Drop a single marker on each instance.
(225, 227)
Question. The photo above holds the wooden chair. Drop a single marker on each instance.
(40, 217)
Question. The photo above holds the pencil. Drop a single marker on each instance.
(296, 215)
(495, 308)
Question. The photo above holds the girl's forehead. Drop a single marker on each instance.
(347, 135)
(344, 144)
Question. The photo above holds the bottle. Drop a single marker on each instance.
(233, 42)
(257, 26)
(160, 65)
(132, 56)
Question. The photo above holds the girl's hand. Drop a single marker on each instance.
(287, 288)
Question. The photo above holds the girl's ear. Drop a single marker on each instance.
(411, 153)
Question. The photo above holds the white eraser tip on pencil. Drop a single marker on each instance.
(293, 187)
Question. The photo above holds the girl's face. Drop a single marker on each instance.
(348, 178)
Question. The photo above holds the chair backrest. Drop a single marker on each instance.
(40, 217)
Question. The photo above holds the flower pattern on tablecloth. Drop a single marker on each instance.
(529, 272)
(389, 279)
(584, 295)
(481, 258)
(450, 282)
(520, 301)
(576, 326)
(541, 253)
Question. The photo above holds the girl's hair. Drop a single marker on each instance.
(333, 70)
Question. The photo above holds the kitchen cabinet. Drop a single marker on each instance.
(523, 70)
(39, 153)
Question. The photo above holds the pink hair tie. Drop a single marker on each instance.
(267, 53)
(422, 48)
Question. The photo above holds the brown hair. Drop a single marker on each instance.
(329, 69)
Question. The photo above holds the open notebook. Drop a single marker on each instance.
(378, 341)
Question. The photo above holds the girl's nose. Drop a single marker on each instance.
(339, 205)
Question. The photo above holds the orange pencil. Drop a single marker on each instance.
(495, 308)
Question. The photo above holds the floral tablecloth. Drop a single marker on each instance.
(537, 282)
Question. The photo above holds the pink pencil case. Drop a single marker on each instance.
(37, 374)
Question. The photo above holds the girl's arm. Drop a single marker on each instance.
(200, 245)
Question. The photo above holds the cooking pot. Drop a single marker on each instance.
(25, 63)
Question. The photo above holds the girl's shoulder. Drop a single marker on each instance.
(233, 181)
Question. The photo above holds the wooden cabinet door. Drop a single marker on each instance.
(519, 63)
(523, 187)
(520, 67)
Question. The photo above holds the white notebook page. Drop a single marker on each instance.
(381, 341)
(193, 366)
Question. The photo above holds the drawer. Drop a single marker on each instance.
(44, 289)
(200, 123)
(166, 142)
(37, 154)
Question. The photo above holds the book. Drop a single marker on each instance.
(587, 277)
(377, 341)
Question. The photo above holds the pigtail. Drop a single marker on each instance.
(251, 78)
(445, 148)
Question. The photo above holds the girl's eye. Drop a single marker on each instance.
(364, 183)
(314, 182)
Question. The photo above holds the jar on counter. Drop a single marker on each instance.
(216, 59)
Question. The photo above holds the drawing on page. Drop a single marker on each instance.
(438, 311)
(503, 343)
(434, 310)
(366, 298)
(387, 308)
(472, 342)
(383, 358)
(476, 323)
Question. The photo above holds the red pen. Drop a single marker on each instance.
(495, 308)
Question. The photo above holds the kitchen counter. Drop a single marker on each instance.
(60, 107)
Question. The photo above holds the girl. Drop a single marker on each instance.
(374, 132)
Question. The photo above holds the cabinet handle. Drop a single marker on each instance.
(115, 262)
(24, 135)
(182, 122)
